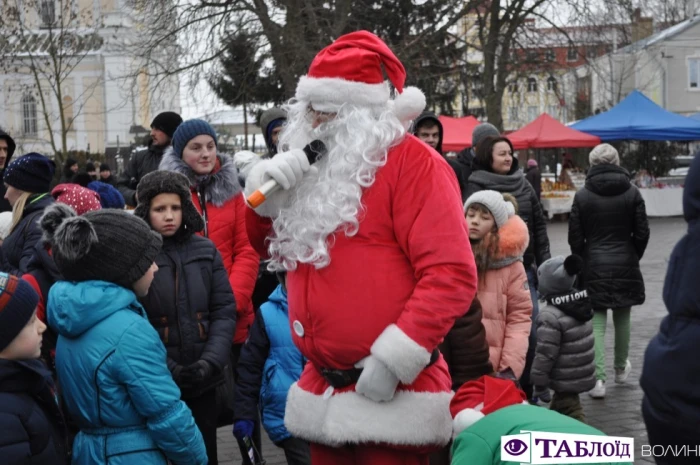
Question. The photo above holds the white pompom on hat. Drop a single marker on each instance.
(477, 398)
(349, 71)
(500, 208)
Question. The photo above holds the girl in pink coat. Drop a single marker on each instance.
(499, 238)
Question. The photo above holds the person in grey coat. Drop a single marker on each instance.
(565, 356)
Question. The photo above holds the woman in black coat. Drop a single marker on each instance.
(495, 168)
(608, 227)
(190, 302)
(28, 179)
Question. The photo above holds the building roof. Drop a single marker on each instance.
(227, 117)
(662, 35)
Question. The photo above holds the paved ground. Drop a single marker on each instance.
(619, 413)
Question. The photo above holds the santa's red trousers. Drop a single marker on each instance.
(365, 454)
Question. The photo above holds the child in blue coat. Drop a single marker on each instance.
(32, 427)
(270, 363)
(110, 361)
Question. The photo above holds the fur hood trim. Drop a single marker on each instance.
(513, 239)
(219, 187)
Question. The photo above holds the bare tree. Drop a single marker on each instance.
(192, 36)
(44, 43)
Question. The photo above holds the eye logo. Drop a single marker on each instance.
(515, 447)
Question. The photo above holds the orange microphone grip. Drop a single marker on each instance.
(256, 199)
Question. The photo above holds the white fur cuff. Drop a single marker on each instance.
(404, 356)
(275, 202)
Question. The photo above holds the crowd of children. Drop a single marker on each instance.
(143, 326)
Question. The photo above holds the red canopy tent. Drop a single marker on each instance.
(547, 133)
(457, 132)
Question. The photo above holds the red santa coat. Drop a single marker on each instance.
(393, 290)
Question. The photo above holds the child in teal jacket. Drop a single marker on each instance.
(110, 361)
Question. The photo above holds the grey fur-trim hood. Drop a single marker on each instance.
(219, 187)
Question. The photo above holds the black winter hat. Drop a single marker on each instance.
(82, 179)
(168, 121)
(105, 167)
(90, 167)
(32, 172)
(106, 245)
(169, 182)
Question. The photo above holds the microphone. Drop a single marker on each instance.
(257, 198)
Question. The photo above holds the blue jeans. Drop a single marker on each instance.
(530, 356)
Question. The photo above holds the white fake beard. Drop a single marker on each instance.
(358, 141)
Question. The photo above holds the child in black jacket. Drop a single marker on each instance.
(190, 302)
(32, 428)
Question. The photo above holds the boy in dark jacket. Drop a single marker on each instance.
(270, 363)
(32, 429)
(190, 302)
(565, 357)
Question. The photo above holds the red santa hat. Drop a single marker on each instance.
(350, 71)
(476, 399)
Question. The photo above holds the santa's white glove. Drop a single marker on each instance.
(287, 169)
(376, 382)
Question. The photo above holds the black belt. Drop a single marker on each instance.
(344, 378)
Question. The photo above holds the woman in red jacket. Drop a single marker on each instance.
(217, 195)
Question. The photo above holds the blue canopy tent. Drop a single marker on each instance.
(638, 118)
(695, 116)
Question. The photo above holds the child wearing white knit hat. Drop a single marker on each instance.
(499, 238)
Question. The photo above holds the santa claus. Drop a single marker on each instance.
(379, 265)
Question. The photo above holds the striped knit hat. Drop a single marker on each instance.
(17, 304)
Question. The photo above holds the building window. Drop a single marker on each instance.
(531, 84)
(513, 113)
(531, 56)
(591, 52)
(513, 87)
(550, 55)
(47, 11)
(552, 84)
(553, 111)
(29, 118)
(532, 113)
(694, 73)
(572, 54)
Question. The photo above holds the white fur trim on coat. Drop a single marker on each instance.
(466, 418)
(256, 178)
(410, 419)
(404, 356)
(329, 94)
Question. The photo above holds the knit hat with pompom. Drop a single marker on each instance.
(105, 245)
(558, 274)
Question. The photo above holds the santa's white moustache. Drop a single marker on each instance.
(329, 200)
